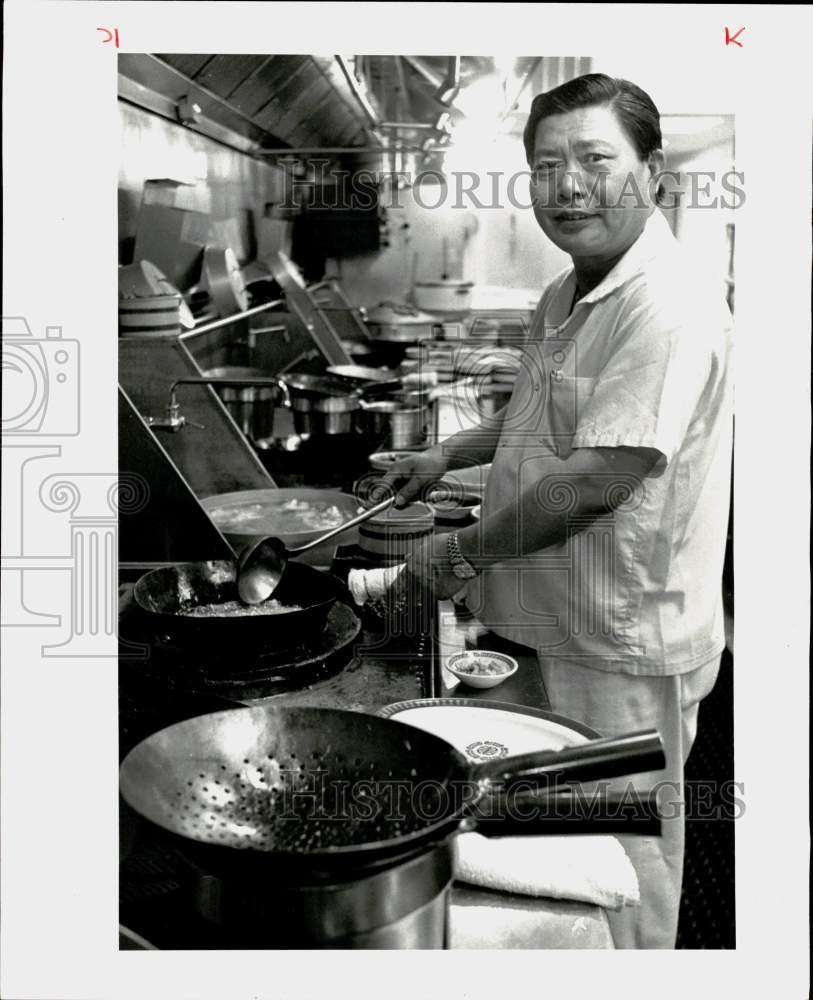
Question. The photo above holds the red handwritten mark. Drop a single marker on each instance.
(114, 35)
(732, 39)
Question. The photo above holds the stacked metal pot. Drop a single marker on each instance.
(330, 405)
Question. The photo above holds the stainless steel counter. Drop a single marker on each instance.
(481, 918)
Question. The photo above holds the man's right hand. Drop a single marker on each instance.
(413, 478)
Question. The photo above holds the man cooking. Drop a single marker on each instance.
(603, 525)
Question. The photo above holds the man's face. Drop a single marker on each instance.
(590, 190)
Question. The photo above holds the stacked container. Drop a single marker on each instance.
(389, 536)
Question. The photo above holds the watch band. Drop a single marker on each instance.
(461, 567)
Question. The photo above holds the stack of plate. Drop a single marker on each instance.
(484, 330)
(491, 365)
(150, 316)
(434, 356)
(500, 365)
(149, 305)
(389, 536)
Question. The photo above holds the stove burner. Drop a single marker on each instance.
(251, 673)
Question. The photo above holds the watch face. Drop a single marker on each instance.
(463, 571)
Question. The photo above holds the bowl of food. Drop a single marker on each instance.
(481, 668)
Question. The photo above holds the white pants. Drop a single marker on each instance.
(614, 704)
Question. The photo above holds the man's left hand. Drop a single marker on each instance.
(428, 564)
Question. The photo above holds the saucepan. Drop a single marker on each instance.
(326, 787)
(321, 404)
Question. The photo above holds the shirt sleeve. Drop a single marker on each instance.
(661, 360)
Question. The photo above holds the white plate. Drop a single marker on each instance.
(485, 730)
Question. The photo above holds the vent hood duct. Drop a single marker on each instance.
(254, 103)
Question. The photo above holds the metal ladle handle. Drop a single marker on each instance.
(364, 516)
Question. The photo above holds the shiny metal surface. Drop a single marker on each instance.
(405, 425)
(405, 905)
(164, 595)
(251, 406)
(238, 787)
(262, 564)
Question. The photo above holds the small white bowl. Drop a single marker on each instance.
(454, 662)
(475, 512)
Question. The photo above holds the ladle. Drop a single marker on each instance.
(262, 563)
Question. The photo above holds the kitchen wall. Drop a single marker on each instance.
(490, 236)
(699, 223)
(226, 184)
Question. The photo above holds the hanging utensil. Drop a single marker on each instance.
(262, 564)
(321, 786)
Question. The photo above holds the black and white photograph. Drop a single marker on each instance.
(369, 506)
(347, 323)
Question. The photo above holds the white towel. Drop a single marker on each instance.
(590, 868)
(372, 584)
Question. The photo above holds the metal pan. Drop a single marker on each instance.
(163, 595)
(317, 387)
(324, 786)
(361, 375)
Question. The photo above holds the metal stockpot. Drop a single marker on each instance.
(400, 323)
(252, 407)
(322, 405)
(403, 903)
(405, 425)
(337, 827)
(328, 416)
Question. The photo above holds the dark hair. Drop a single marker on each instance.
(633, 107)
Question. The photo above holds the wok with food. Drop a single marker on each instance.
(198, 604)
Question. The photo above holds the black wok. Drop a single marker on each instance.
(164, 594)
(325, 786)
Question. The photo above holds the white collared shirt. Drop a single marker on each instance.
(642, 361)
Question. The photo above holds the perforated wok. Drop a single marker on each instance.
(330, 785)
(164, 594)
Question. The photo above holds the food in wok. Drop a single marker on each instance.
(236, 609)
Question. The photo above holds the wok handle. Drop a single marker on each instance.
(572, 812)
(607, 758)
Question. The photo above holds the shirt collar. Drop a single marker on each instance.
(655, 238)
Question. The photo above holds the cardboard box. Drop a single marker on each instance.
(173, 240)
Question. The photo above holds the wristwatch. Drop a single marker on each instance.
(461, 567)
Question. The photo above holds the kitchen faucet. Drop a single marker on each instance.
(174, 420)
